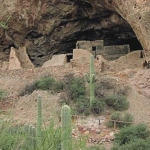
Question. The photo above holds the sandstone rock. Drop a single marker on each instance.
(57, 60)
(19, 59)
(14, 62)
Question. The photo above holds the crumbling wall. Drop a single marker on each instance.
(24, 58)
(19, 59)
(116, 51)
(108, 52)
(90, 45)
(80, 57)
(14, 62)
(57, 60)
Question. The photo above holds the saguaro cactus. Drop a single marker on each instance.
(91, 79)
(39, 123)
(66, 135)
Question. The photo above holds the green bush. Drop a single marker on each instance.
(127, 118)
(119, 117)
(98, 106)
(117, 102)
(46, 83)
(82, 106)
(131, 133)
(116, 116)
(138, 144)
(74, 88)
(77, 88)
(24, 138)
(99, 147)
(58, 86)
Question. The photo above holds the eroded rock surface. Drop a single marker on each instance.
(46, 27)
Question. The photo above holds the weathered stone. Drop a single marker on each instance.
(57, 60)
(5, 65)
(19, 59)
(24, 58)
(95, 47)
(82, 55)
(14, 62)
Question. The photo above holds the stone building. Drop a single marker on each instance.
(108, 52)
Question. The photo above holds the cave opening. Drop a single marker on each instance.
(117, 35)
(94, 51)
(133, 43)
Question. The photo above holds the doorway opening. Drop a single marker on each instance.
(69, 56)
(94, 51)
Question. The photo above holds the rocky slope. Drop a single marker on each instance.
(46, 27)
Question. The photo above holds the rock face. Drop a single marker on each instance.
(47, 27)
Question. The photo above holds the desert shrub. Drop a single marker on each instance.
(123, 90)
(28, 89)
(98, 147)
(138, 144)
(82, 106)
(77, 88)
(98, 106)
(74, 88)
(46, 83)
(8, 136)
(131, 133)
(58, 86)
(102, 86)
(119, 117)
(7, 141)
(24, 138)
(118, 102)
(127, 118)
(116, 116)
(3, 94)
(64, 98)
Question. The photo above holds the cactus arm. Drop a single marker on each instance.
(93, 78)
(66, 135)
(87, 78)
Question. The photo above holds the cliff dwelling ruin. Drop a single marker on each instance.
(19, 59)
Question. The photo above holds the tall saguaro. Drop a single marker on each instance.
(66, 135)
(91, 79)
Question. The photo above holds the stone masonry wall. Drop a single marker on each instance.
(109, 52)
(19, 59)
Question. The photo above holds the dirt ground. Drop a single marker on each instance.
(126, 70)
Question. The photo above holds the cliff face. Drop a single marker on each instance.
(46, 27)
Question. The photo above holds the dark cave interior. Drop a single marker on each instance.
(116, 35)
(110, 37)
